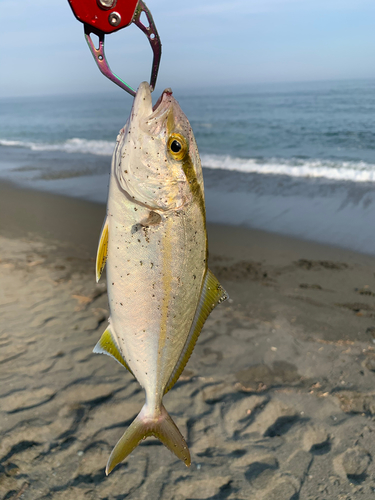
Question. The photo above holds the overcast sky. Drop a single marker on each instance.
(205, 42)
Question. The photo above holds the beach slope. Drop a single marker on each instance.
(276, 402)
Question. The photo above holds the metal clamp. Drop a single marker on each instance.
(114, 22)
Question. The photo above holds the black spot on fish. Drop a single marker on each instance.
(136, 228)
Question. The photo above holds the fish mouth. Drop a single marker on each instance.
(163, 108)
(163, 99)
(142, 106)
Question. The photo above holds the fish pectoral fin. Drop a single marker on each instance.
(107, 345)
(212, 294)
(161, 426)
(101, 255)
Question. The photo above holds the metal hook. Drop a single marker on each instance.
(101, 60)
(152, 36)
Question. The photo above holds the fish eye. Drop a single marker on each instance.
(177, 146)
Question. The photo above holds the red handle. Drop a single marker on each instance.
(104, 15)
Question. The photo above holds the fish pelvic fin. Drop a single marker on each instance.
(101, 255)
(108, 345)
(144, 425)
(212, 294)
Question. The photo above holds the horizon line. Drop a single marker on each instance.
(206, 88)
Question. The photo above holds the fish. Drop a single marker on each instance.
(154, 246)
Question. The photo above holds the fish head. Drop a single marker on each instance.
(156, 160)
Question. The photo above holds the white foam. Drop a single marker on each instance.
(335, 170)
(75, 145)
(339, 170)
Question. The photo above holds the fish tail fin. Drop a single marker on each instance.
(161, 426)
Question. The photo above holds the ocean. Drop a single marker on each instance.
(296, 159)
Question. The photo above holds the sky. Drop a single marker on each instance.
(206, 44)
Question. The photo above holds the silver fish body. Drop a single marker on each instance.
(154, 239)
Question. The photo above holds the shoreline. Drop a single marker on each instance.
(74, 220)
(320, 210)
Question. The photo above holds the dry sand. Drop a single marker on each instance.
(277, 401)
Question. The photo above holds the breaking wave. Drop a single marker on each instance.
(328, 169)
(313, 168)
(75, 145)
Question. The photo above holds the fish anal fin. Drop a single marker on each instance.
(107, 345)
(161, 426)
(101, 255)
(212, 294)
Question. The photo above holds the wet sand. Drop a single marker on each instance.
(276, 402)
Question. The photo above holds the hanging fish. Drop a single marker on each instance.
(155, 245)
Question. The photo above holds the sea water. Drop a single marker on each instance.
(297, 159)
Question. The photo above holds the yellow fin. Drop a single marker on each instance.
(101, 256)
(212, 294)
(159, 425)
(107, 345)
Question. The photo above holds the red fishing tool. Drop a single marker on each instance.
(103, 17)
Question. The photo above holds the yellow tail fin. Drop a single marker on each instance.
(144, 425)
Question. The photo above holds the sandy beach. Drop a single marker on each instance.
(277, 401)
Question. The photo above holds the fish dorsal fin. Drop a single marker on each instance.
(101, 256)
(107, 345)
(212, 294)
